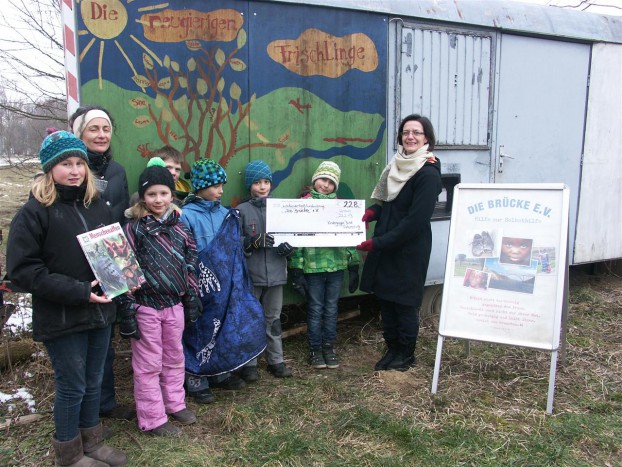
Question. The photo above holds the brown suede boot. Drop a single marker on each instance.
(70, 453)
(93, 443)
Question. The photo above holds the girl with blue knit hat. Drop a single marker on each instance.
(267, 264)
(230, 332)
(70, 316)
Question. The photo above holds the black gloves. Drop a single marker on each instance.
(353, 278)
(261, 240)
(299, 283)
(128, 326)
(284, 249)
(193, 308)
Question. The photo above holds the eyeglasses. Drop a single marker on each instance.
(406, 133)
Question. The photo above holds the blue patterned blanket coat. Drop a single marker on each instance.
(231, 330)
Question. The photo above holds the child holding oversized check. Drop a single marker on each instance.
(267, 266)
(318, 272)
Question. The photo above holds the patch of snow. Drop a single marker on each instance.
(20, 394)
(21, 319)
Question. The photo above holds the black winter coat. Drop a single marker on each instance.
(45, 259)
(111, 181)
(116, 195)
(396, 270)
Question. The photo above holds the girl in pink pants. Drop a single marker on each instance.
(154, 315)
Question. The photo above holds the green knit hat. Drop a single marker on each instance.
(329, 170)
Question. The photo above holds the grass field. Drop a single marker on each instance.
(489, 409)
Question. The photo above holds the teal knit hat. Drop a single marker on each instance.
(256, 170)
(206, 173)
(59, 146)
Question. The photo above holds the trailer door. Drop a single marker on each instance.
(541, 102)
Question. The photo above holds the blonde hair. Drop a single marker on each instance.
(44, 189)
(140, 210)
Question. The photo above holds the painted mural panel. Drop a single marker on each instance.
(237, 80)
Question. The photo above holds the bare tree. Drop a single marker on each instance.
(31, 51)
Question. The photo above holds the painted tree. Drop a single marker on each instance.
(193, 100)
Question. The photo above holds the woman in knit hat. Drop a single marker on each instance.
(153, 316)
(318, 273)
(94, 126)
(69, 316)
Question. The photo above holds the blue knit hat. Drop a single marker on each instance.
(206, 173)
(256, 170)
(156, 173)
(59, 146)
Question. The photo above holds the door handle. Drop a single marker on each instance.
(502, 156)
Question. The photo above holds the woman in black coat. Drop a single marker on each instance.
(399, 251)
(94, 126)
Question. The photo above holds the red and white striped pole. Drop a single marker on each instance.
(71, 58)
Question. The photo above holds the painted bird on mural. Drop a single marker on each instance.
(296, 103)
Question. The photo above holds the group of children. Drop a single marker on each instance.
(169, 230)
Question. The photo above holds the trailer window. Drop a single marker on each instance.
(445, 75)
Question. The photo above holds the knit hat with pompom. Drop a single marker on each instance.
(156, 173)
(58, 146)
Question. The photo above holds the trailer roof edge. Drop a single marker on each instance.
(524, 18)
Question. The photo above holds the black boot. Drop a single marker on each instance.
(387, 357)
(404, 359)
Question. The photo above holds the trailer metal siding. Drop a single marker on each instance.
(599, 232)
(446, 76)
(522, 18)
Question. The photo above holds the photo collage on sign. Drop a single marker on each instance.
(495, 259)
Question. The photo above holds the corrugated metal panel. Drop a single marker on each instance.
(445, 75)
(526, 18)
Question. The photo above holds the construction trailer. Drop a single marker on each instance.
(516, 92)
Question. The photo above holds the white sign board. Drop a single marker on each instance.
(504, 278)
(316, 222)
(506, 267)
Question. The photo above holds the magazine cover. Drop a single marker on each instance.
(112, 259)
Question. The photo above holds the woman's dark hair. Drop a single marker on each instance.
(428, 129)
(84, 109)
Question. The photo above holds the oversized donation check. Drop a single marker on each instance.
(316, 222)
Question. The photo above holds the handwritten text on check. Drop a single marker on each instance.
(316, 222)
